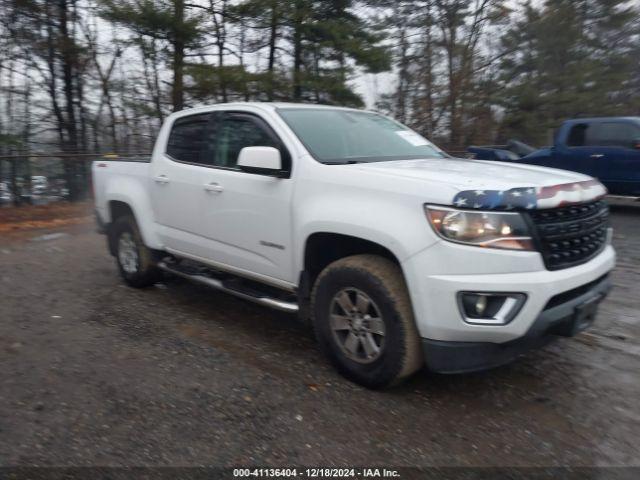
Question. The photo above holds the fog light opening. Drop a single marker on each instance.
(480, 308)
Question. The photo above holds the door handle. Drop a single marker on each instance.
(597, 155)
(162, 179)
(214, 187)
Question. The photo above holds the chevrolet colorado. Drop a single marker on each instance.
(399, 255)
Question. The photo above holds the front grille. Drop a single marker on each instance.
(571, 235)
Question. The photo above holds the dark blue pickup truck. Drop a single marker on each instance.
(606, 148)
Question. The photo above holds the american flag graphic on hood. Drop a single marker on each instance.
(531, 198)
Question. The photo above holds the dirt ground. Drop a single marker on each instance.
(17, 223)
(95, 373)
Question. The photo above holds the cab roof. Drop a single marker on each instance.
(603, 119)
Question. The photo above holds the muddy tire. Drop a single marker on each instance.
(134, 259)
(363, 321)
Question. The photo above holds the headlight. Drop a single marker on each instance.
(506, 230)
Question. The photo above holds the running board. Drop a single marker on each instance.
(219, 285)
(623, 198)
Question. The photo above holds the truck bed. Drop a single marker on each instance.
(117, 171)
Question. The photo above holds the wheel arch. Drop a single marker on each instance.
(116, 209)
(121, 204)
(323, 248)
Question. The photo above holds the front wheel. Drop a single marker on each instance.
(364, 322)
(135, 260)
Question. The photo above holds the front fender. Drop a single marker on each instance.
(401, 229)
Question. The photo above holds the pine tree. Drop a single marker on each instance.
(323, 42)
(167, 21)
(564, 59)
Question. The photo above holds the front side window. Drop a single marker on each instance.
(236, 132)
(215, 139)
(578, 135)
(336, 136)
(188, 139)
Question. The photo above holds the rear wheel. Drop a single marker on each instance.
(363, 320)
(134, 259)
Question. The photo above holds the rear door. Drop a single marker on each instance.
(619, 165)
(177, 178)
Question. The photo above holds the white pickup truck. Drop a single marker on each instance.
(399, 255)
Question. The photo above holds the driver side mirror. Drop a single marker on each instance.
(260, 160)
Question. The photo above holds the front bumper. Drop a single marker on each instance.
(436, 275)
(557, 319)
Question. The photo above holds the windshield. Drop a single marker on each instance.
(336, 136)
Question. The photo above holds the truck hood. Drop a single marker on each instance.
(495, 185)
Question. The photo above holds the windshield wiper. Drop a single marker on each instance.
(348, 162)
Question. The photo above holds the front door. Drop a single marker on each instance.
(577, 155)
(246, 217)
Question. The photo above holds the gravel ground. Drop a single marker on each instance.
(95, 373)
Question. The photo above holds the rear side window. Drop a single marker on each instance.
(614, 134)
(236, 132)
(188, 140)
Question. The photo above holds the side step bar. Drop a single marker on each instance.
(219, 285)
(622, 200)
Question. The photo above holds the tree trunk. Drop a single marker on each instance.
(297, 52)
(13, 162)
(223, 79)
(26, 132)
(52, 81)
(453, 90)
(157, 101)
(428, 75)
(152, 78)
(221, 38)
(68, 57)
(273, 37)
(177, 93)
(403, 81)
(13, 175)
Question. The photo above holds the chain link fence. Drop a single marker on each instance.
(35, 179)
